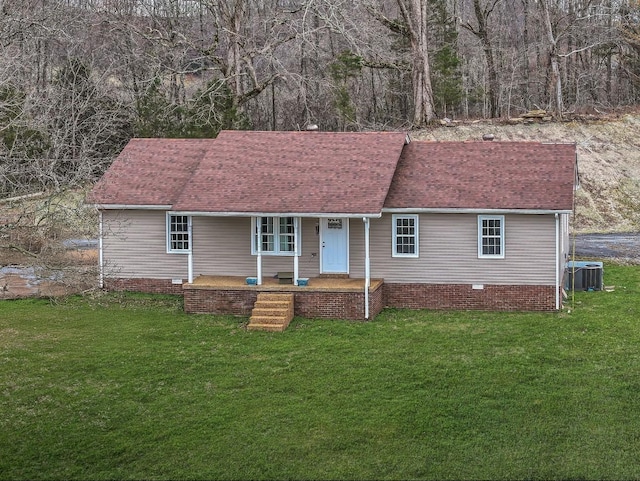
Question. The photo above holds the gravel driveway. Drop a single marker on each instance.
(608, 246)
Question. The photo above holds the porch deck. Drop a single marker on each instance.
(330, 284)
(326, 297)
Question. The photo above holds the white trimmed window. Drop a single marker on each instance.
(405, 236)
(491, 236)
(178, 232)
(274, 235)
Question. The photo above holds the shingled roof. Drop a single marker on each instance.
(484, 175)
(294, 172)
(149, 172)
(245, 173)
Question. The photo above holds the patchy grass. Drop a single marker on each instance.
(129, 387)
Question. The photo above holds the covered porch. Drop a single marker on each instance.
(322, 297)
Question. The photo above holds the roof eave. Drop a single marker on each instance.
(132, 206)
(439, 210)
(355, 215)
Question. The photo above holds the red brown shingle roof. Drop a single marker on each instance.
(342, 173)
(149, 172)
(294, 172)
(484, 175)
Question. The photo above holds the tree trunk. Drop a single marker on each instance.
(555, 82)
(414, 13)
(482, 33)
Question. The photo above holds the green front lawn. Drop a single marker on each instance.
(129, 387)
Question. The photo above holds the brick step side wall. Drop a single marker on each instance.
(216, 301)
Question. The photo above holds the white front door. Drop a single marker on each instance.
(334, 239)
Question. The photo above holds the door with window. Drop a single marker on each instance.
(334, 240)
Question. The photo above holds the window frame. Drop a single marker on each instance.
(416, 235)
(170, 233)
(481, 236)
(277, 236)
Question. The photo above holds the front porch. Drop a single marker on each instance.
(322, 297)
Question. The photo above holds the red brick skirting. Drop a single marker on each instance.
(307, 303)
(463, 296)
(337, 305)
(219, 301)
(350, 304)
(151, 286)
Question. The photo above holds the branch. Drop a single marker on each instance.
(488, 10)
(468, 26)
(386, 65)
(22, 251)
(579, 50)
(393, 25)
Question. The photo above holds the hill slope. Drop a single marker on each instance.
(608, 160)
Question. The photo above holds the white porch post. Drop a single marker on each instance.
(259, 247)
(190, 255)
(100, 253)
(367, 267)
(295, 251)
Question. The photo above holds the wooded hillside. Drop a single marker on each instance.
(81, 77)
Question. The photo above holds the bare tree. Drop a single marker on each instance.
(414, 26)
(481, 31)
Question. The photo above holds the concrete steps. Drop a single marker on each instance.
(271, 312)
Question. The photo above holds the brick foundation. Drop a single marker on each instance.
(337, 305)
(220, 301)
(151, 286)
(350, 304)
(463, 296)
(307, 303)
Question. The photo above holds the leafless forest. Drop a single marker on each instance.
(78, 78)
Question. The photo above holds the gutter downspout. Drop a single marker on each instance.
(259, 246)
(100, 252)
(295, 251)
(557, 262)
(367, 267)
(190, 255)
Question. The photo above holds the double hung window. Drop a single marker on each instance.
(491, 236)
(178, 233)
(274, 235)
(405, 236)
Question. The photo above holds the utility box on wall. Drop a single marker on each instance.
(584, 276)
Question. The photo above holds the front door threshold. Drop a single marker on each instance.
(334, 275)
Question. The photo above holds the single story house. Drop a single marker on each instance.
(347, 223)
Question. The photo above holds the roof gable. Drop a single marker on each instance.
(484, 175)
(294, 172)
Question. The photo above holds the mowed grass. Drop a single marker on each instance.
(129, 387)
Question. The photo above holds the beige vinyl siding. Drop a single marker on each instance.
(449, 252)
(222, 247)
(356, 247)
(135, 245)
(565, 248)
